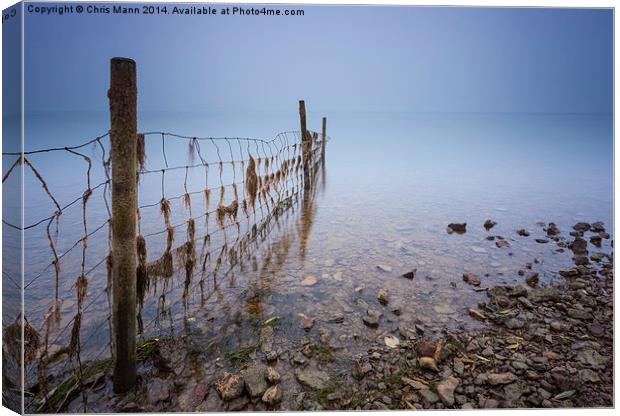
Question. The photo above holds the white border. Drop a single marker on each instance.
(481, 3)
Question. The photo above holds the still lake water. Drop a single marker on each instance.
(392, 182)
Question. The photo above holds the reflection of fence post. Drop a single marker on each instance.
(324, 137)
(306, 144)
(123, 136)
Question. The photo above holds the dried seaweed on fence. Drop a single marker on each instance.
(187, 201)
(164, 267)
(222, 192)
(164, 207)
(140, 152)
(235, 192)
(187, 254)
(207, 193)
(227, 211)
(251, 181)
(81, 287)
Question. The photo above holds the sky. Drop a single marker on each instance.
(340, 58)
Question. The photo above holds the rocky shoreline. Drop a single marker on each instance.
(541, 347)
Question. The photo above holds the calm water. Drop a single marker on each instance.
(391, 184)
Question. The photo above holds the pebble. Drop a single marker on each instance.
(229, 386)
(471, 278)
(428, 363)
(272, 395)
(382, 296)
(272, 375)
(445, 390)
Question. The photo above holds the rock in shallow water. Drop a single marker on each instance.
(312, 377)
(471, 278)
(382, 296)
(488, 224)
(458, 228)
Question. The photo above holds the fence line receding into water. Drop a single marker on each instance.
(105, 298)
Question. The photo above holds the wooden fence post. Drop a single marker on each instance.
(123, 136)
(306, 143)
(324, 137)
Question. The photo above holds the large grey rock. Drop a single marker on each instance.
(312, 377)
(254, 377)
(158, 391)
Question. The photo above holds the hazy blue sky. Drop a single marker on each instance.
(338, 58)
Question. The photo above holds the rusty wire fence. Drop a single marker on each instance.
(204, 205)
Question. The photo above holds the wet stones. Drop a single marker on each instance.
(502, 244)
(523, 232)
(410, 275)
(488, 224)
(309, 281)
(382, 297)
(266, 338)
(591, 358)
(532, 279)
(552, 230)
(569, 272)
(307, 323)
(445, 390)
(580, 314)
(474, 313)
(312, 377)
(371, 318)
(254, 378)
(596, 329)
(471, 278)
(597, 227)
(158, 391)
(596, 241)
(458, 228)
(496, 379)
(384, 268)
(541, 240)
(514, 323)
(229, 386)
(428, 363)
(425, 348)
(588, 376)
(581, 227)
(272, 396)
(579, 246)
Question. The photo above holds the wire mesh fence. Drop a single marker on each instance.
(204, 206)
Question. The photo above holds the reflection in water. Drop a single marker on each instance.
(395, 182)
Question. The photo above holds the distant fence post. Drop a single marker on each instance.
(324, 136)
(123, 136)
(306, 143)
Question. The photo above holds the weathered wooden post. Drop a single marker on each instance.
(324, 137)
(123, 136)
(306, 143)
